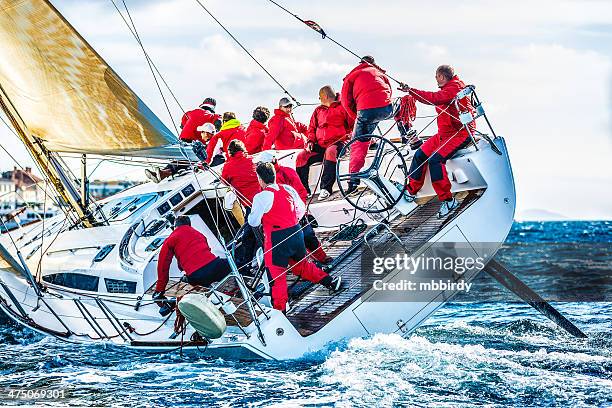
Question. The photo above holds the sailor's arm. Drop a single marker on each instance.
(163, 264)
(441, 97)
(262, 203)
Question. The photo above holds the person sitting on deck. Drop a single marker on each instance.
(257, 131)
(278, 208)
(193, 255)
(197, 117)
(156, 174)
(230, 130)
(330, 126)
(366, 96)
(285, 132)
(286, 175)
(451, 137)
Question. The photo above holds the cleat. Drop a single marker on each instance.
(447, 207)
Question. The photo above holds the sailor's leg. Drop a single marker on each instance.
(277, 278)
(307, 270)
(437, 165)
(312, 243)
(304, 160)
(365, 124)
(212, 272)
(419, 165)
(329, 167)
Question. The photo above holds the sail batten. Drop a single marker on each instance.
(66, 94)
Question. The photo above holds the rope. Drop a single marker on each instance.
(248, 53)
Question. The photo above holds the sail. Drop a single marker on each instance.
(64, 92)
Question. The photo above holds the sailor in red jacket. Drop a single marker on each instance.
(197, 117)
(278, 208)
(239, 172)
(230, 130)
(288, 176)
(330, 127)
(366, 96)
(257, 131)
(451, 137)
(285, 133)
(193, 256)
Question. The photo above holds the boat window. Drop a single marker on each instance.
(122, 208)
(74, 281)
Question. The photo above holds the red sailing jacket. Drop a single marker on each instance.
(365, 87)
(192, 119)
(229, 131)
(255, 135)
(287, 175)
(282, 215)
(285, 133)
(329, 125)
(239, 172)
(448, 117)
(191, 250)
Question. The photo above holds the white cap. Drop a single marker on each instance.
(208, 128)
(265, 157)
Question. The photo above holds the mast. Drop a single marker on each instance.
(47, 163)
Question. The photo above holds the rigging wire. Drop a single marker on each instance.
(137, 36)
(248, 52)
(316, 27)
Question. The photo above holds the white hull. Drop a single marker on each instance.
(487, 219)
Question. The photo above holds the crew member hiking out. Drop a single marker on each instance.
(193, 256)
(257, 131)
(330, 127)
(191, 120)
(451, 137)
(288, 176)
(230, 129)
(285, 133)
(278, 208)
(366, 96)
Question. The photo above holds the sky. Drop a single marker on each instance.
(542, 69)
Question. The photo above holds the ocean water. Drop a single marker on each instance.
(470, 353)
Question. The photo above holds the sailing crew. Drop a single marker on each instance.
(285, 132)
(193, 256)
(288, 176)
(190, 121)
(451, 137)
(366, 96)
(239, 172)
(230, 129)
(257, 131)
(278, 208)
(330, 127)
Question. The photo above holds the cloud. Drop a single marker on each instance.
(543, 69)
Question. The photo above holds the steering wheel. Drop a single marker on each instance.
(388, 163)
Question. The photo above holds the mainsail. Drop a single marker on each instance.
(65, 94)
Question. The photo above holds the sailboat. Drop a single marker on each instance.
(88, 274)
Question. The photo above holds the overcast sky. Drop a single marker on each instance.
(543, 70)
